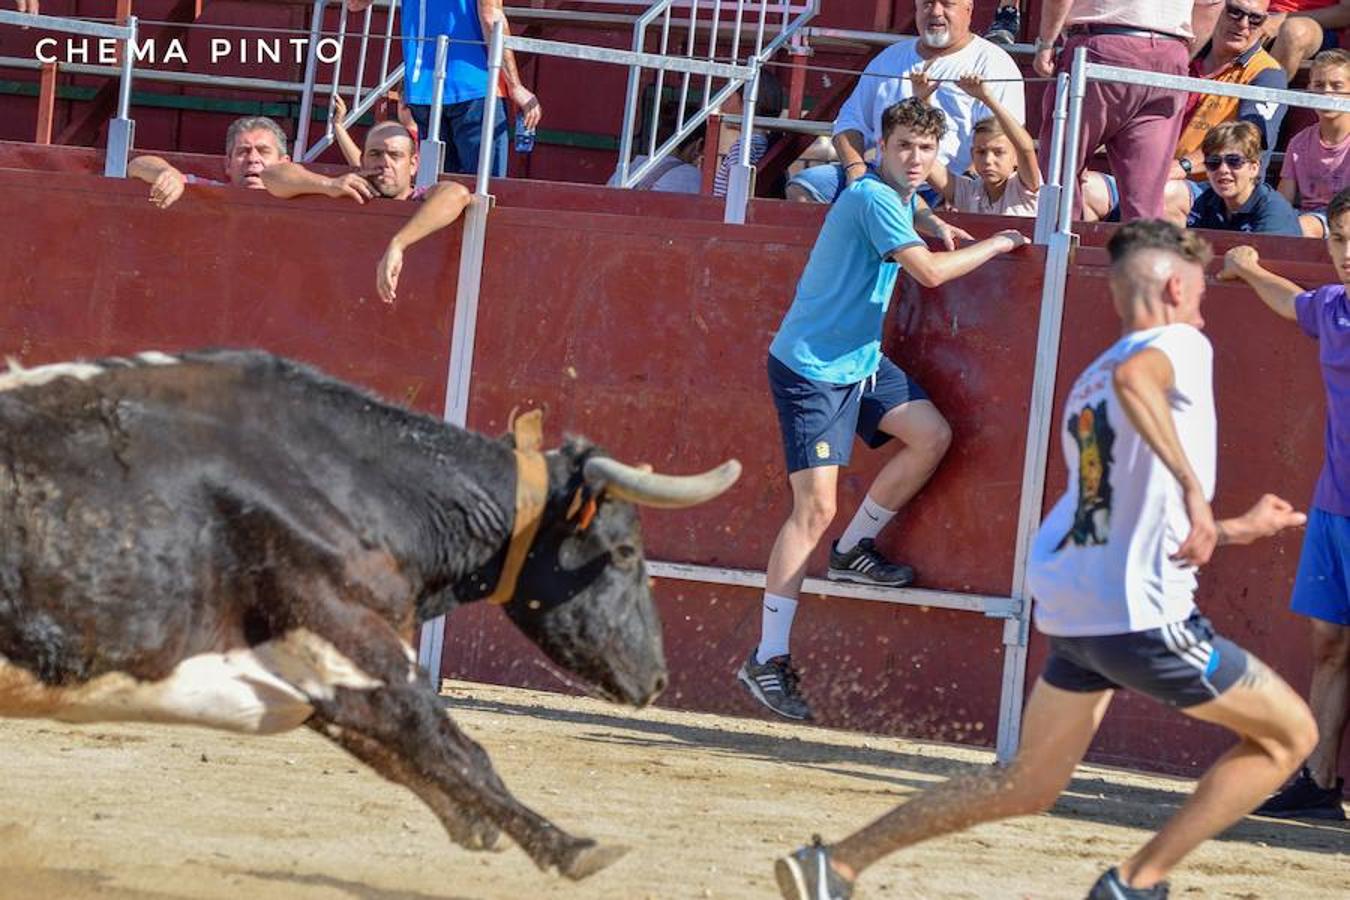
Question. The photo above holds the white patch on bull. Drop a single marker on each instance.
(411, 654)
(260, 690)
(155, 358)
(18, 376)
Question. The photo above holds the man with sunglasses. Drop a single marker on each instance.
(1237, 199)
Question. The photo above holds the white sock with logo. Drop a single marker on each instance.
(776, 626)
(867, 522)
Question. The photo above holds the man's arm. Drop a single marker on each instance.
(1053, 15)
(442, 205)
(1243, 264)
(1028, 169)
(927, 222)
(1330, 18)
(166, 182)
(1142, 383)
(933, 269)
(849, 147)
(341, 136)
(288, 179)
(1288, 187)
(490, 12)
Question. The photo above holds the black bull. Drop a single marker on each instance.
(233, 540)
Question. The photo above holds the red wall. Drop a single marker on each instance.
(648, 333)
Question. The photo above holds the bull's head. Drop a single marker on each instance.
(583, 595)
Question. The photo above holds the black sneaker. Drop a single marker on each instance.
(808, 875)
(864, 564)
(1302, 798)
(1111, 887)
(1006, 27)
(774, 683)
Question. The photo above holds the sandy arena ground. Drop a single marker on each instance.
(705, 802)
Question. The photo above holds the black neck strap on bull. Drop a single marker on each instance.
(531, 498)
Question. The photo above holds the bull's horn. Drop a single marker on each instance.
(648, 488)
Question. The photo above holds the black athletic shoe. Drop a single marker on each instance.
(864, 564)
(1006, 27)
(774, 683)
(1302, 798)
(808, 875)
(1110, 887)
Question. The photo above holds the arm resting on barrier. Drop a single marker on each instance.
(1243, 263)
(933, 269)
(442, 205)
(290, 179)
(166, 182)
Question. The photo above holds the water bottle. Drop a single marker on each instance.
(524, 136)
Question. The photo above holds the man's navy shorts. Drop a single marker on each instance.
(818, 419)
(1182, 664)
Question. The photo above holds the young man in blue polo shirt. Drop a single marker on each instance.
(830, 381)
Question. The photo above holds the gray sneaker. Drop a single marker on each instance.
(808, 875)
(774, 683)
(1111, 887)
(864, 564)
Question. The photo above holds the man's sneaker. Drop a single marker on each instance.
(865, 565)
(1006, 27)
(1302, 798)
(774, 683)
(808, 875)
(1111, 887)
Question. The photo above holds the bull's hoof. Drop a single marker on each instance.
(480, 836)
(587, 857)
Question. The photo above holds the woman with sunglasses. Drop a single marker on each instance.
(1237, 199)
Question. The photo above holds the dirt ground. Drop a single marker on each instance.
(705, 802)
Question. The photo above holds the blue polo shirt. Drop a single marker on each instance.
(1265, 212)
(466, 66)
(832, 331)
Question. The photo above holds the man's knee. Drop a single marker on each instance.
(1020, 792)
(1330, 644)
(815, 511)
(1301, 34)
(1298, 740)
(937, 439)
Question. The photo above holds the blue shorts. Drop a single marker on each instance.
(1183, 664)
(1322, 585)
(817, 419)
(825, 182)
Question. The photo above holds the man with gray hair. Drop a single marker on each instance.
(252, 143)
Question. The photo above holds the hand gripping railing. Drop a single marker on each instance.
(121, 128)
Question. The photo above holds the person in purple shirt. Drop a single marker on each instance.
(1322, 585)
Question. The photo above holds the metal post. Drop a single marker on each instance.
(361, 55)
(742, 179)
(311, 70)
(660, 86)
(46, 103)
(496, 51)
(121, 130)
(1048, 206)
(1073, 136)
(630, 108)
(432, 152)
(388, 39)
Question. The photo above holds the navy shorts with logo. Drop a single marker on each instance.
(1182, 664)
(818, 419)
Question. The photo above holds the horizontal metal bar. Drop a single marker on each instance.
(801, 126)
(1121, 75)
(994, 607)
(628, 58)
(70, 26)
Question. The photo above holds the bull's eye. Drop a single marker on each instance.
(625, 553)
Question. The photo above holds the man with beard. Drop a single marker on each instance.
(389, 163)
(251, 145)
(944, 50)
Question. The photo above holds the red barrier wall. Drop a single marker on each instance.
(648, 334)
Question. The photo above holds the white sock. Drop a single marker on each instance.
(867, 522)
(776, 626)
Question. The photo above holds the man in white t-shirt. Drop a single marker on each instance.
(945, 49)
(1113, 574)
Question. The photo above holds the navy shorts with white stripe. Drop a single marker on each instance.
(1181, 664)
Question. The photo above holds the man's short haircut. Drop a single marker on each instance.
(915, 115)
(1333, 57)
(389, 125)
(1157, 234)
(988, 125)
(1339, 205)
(254, 123)
(1243, 135)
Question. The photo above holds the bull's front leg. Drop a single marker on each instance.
(401, 729)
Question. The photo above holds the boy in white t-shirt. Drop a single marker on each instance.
(1113, 574)
(1001, 153)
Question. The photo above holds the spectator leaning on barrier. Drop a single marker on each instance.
(1007, 179)
(945, 49)
(1237, 199)
(1138, 125)
(1233, 56)
(389, 162)
(251, 145)
(1317, 160)
(466, 87)
(1303, 27)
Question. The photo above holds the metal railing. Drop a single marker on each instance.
(121, 128)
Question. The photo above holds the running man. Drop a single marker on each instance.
(829, 380)
(1113, 573)
(1322, 586)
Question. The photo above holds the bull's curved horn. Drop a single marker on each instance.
(648, 488)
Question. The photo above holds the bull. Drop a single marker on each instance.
(234, 540)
